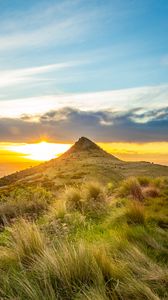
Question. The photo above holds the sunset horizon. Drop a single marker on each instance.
(18, 156)
(73, 68)
(83, 149)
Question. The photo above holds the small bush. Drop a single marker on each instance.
(131, 187)
(135, 213)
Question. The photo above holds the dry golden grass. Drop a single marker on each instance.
(131, 187)
(151, 191)
(135, 213)
(108, 252)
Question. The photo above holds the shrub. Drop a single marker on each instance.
(131, 187)
(135, 213)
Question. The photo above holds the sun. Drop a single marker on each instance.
(42, 151)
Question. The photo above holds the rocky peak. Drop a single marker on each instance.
(84, 144)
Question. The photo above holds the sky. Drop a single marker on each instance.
(95, 68)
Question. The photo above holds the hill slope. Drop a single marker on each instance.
(83, 161)
(89, 241)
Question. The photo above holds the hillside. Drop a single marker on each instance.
(76, 228)
(83, 161)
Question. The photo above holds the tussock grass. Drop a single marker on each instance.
(73, 199)
(95, 199)
(144, 181)
(135, 213)
(131, 187)
(27, 202)
(92, 294)
(93, 190)
(72, 252)
(81, 270)
(159, 182)
(90, 199)
(58, 209)
(151, 191)
(26, 240)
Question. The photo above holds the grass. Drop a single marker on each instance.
(24, 201)
(90, 242)
(131, 187)
(73, 199)
(151, 191)
(90, 199)
(135, 213)
(26, 241)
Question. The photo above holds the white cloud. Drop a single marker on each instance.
(148, 97)
(14, 77)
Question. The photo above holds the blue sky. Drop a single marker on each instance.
(86, 55)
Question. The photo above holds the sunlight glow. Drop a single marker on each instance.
(21, 152)
(42, 151)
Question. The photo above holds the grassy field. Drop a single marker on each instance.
(92, 240)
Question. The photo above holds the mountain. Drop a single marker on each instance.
(84, 160)
(83, 146)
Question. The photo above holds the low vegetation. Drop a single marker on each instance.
(87, 241)
(131, 187)
(23, 201)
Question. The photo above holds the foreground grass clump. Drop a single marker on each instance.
(90, 199)
(131, 187)
(79, 270)
(144, 181)
(135, 213)
(25, 241)
(151, 191)
(90, 243)
(73, 199)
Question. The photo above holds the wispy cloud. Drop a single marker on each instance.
(14, 77)
(51, 24)
(147, 97)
